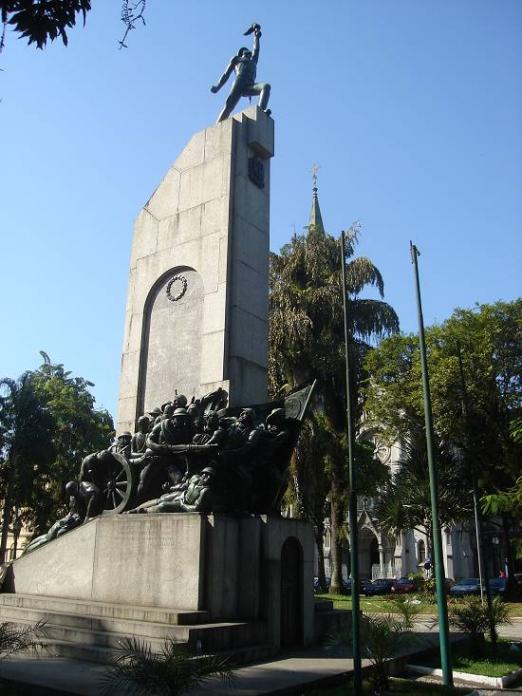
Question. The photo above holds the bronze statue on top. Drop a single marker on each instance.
(244, 63)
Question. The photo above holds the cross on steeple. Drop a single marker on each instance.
(315, 169)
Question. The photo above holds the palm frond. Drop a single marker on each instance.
(14, 638)
(137, 670)
(372, 318)
(361, 272)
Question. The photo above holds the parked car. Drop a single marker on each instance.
(378, 587)
(363, 584)
(465, 586)
(403, 586)
(497, 586)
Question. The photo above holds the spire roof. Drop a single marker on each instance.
(316, 221)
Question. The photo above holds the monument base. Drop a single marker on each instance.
(216, 581)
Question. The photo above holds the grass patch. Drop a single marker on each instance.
(384, 605)
(408, 687)
(376, 605)
(490, 665)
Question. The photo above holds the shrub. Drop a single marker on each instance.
(406, 609)
(173, 671)
(472, 617)
(14, 638)
(381, 638)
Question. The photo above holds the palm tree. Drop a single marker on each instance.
(174, 670)
(306, 333)
(26, 445)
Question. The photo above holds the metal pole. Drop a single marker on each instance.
(442, 609)
(354, 543)
(477, 541)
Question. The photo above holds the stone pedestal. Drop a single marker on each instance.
(232, 569)
(197, 301)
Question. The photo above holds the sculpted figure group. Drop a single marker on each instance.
(186, 457)
(190, 457)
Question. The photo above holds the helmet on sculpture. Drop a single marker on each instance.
(143, 422)
(180, 401)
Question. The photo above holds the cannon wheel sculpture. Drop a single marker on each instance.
(119, 485)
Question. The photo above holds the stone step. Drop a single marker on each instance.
(211, 637)
(104, 609)
(104, 655)
(146, 629)
(78, 651)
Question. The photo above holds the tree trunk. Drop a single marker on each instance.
(6, 514)
(319, 541)
(336, 550)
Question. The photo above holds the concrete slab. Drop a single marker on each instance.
(83, 678)
(282, 675)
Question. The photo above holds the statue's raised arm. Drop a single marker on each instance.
(244, 63)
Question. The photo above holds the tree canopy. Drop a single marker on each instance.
(48, 423)
(475, 367)
(40, 21)
(306, 342)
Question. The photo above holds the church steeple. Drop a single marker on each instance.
(316, 221)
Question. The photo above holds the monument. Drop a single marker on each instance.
(206, 556)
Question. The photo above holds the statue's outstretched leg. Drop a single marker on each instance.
(263, 90)
(235, 94)
(264, 96)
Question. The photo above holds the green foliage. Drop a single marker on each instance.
(405, 502)
(306, 327)
(48, 423)
(40, 20)
(78, 428)
(14, 638)
(475, 365)
(471, 616)
(25, 445)
(407, 610)
(174, 670)
(306, 342)
(382, 637)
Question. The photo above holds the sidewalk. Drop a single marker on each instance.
(286, 674)
(289, 672)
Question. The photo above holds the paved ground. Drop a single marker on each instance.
(276, 677)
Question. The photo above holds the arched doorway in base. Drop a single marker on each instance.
(291, 593)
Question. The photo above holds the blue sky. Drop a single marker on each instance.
(412, 109)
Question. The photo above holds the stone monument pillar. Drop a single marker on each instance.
(197, 301)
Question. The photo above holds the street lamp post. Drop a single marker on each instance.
(354, 542)
(442, 609)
